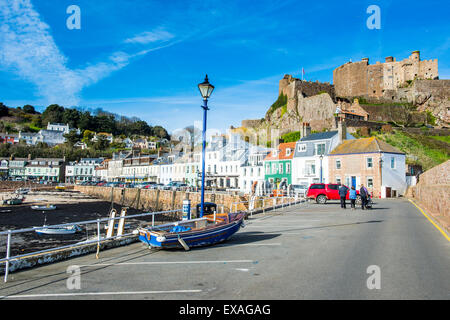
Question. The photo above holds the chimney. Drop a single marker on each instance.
(306, 130)
(342, 131)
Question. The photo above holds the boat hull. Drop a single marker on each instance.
(56, 231)
(195, 238)
(44, 208)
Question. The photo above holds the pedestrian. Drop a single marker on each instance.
(343, 194)
(363, 193)
(352, 196)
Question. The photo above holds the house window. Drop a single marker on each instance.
(268, 169)
(338, 164)
(392, 163)
(320, 148)
(281, 168)
(310, 168)
(274, 168)
(338, 180)
(369, 163)
(288, 168)
(301, 147)
(288, 152)
(369, 182)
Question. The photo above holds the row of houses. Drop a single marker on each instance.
(232, 163)
(38, 169)
(54, 135)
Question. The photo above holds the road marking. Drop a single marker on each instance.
(255, 244)
(164, 262)
(48, 295)
(429, 219)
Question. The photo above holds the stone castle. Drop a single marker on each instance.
(382, 80)
(389, 84)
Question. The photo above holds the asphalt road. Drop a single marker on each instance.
(308, 251)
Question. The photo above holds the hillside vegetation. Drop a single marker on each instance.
(421, 148)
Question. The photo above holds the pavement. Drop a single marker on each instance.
(306, 251)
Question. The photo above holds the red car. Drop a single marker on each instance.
(321, 192)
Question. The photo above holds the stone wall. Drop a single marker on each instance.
(379, 79)
(433, 193)
(291, 87)
(158, 200)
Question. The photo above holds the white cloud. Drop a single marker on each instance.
(150, 36)
(27, 49)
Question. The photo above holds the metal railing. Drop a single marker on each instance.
(98, 240)
(286, 201)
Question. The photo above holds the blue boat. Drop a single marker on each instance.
(192, 233)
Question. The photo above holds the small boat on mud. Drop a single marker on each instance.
(57, 230)
(192, 233)
(14, 200)
(48, 207)
(22, 191)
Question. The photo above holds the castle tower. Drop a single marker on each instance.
(415, 55)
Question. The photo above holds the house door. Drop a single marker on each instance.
(388, 192)
(353, 182)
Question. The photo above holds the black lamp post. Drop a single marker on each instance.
(206, 90)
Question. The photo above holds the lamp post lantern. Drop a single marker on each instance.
(206, 90)
(321, 159)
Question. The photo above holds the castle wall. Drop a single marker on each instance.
(377, 80)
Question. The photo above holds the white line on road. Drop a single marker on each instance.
(255, 244)
(48, 295)
(164, 262)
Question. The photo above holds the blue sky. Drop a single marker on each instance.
(145, 58)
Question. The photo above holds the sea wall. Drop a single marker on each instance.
(160, 200)
(433, 193)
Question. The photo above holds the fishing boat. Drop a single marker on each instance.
(57, 230)
(14, 200)
(22, 191)
(198, 232)
(48, 207)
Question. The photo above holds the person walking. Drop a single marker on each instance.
(364, 194)
(352, 196)
(343, 194)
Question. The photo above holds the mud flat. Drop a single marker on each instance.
(70, 207)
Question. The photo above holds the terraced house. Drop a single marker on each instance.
(278, 164)
(46, 169)
(372, 162)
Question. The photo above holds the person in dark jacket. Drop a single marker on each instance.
(343, 194)
(364, 194)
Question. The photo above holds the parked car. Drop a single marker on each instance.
(322, 192)
(299, 189)
(146, 185)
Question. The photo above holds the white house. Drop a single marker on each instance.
(310, 162)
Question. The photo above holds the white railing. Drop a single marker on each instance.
(97, 240)
(286, 201)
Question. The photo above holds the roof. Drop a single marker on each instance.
(364, 145)
(281, 155)
(320, 136)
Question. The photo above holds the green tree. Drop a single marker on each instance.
(102, 143)
(28, 109)
(160, 132)
(4, 110)
(53, 114)
(72, 137)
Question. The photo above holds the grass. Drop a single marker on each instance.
(428, 151)
(446, 139)
(281, 102)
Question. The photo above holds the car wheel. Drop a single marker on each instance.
(321, 199)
